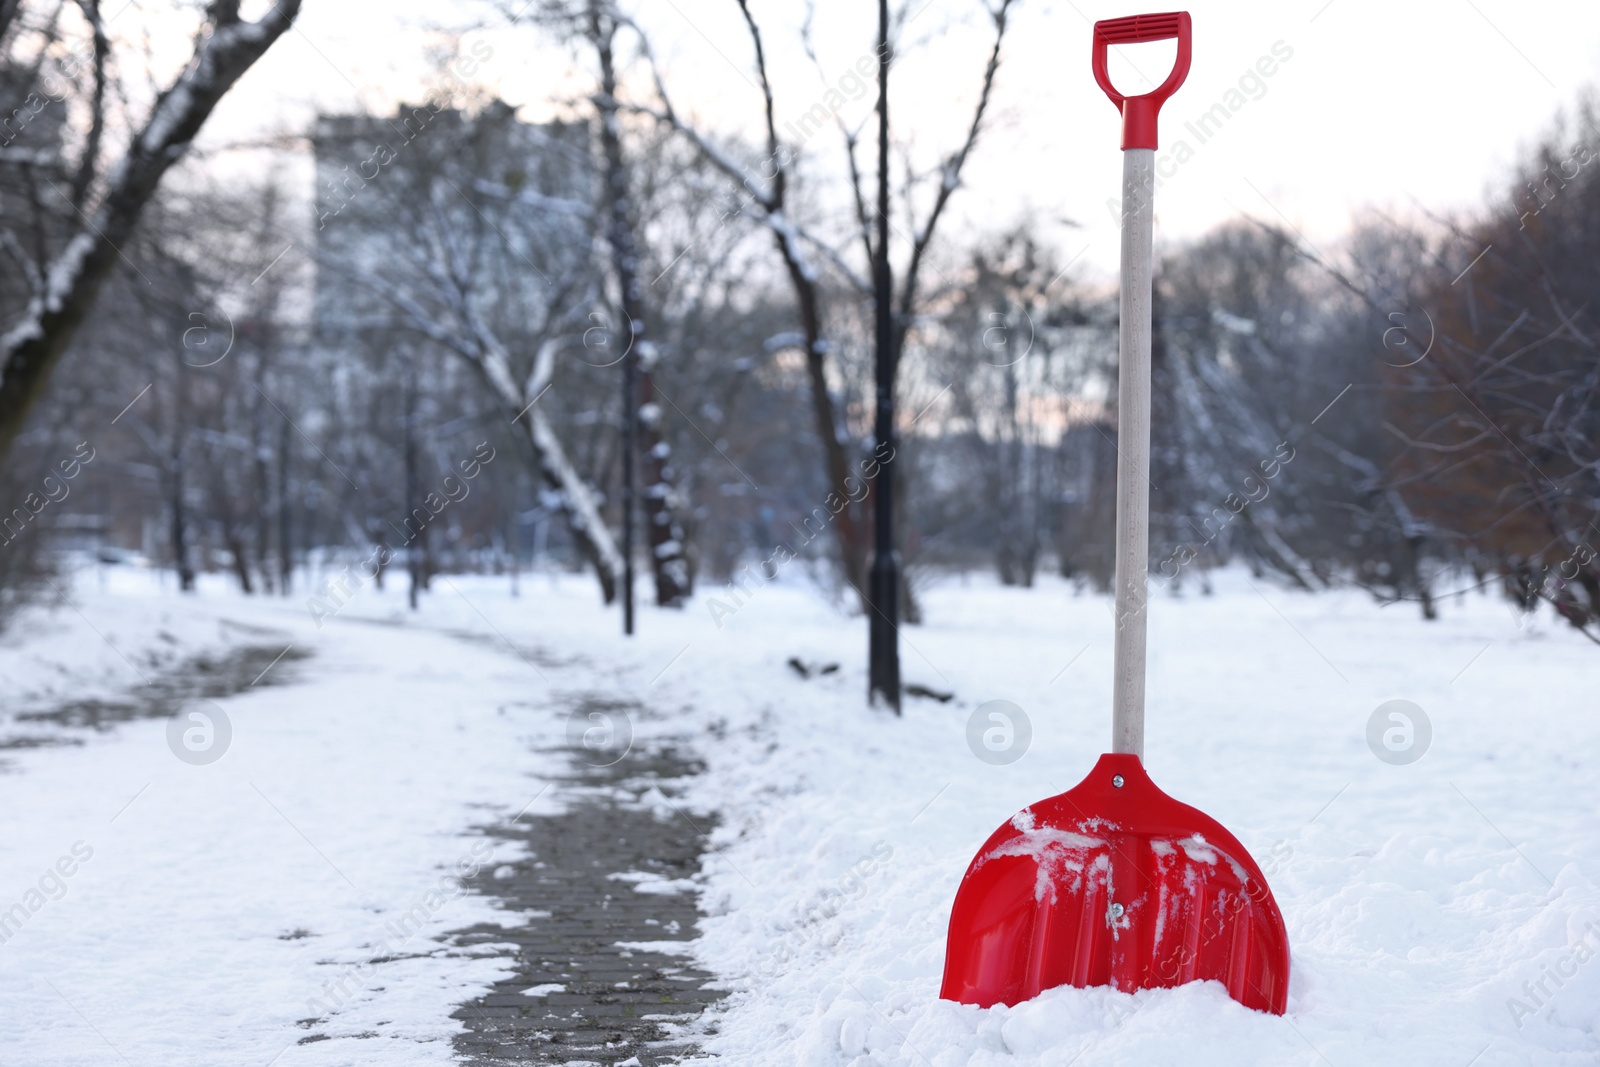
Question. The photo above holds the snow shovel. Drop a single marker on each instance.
(1113, 882)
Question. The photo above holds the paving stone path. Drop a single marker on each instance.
(207, 676)
(580, 995)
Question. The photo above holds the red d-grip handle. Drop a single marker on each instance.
(1139, 113)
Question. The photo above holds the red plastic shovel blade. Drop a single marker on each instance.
(1114, 884)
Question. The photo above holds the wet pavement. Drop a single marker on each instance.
(205, 677)
(598, 980)
(606, 885)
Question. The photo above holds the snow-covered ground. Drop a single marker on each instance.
(1419, 899)
(210, 908)
(1437, 911)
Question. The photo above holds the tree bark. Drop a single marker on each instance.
(882, 629)
(180, 516)
(285, 516)
(668, 561)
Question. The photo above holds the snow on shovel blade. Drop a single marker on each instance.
(1114, 883)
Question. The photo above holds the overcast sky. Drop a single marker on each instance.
(1377, 103)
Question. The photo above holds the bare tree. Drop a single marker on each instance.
(66, 280)
(766, 191)
(1012, 356)
(498, 277)
(766, 195)
(1496, 400)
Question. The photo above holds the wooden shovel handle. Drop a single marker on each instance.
(1133, 451)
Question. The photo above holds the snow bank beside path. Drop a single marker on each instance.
(110, 629)
(1415, 923)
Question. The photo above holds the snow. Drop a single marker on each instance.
(544, 990)
(1060, 856)
(649, 882)
(1414, 922)
(305, 873)
(204, 75)
(653, 946)
(1195, 847)
(45, 658)
(63, 275)
(1438, 911)
(779, 341)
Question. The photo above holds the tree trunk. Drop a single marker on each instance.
(263, 497)
(663, 504)
(180, 518)
(413, 551)
(883, 632)
(285, 546)
(849, 525)
(578, 504)
(241, 558)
